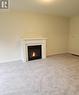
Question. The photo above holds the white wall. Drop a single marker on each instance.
(15, 25)
(74, 35)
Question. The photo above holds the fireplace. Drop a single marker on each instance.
(33, 49)
(34, 52)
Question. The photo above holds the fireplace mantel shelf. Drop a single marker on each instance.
(25, 39)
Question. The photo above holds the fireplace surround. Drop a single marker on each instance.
(33, 49)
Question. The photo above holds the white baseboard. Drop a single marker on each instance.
(57, 53)
(11, 61)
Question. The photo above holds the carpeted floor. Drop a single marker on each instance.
(56, 75)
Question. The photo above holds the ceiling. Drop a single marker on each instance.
(56, 7)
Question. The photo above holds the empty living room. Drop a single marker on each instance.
(39, 47)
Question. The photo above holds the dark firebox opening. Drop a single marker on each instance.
(34, 52)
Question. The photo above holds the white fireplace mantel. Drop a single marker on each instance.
(31, 42)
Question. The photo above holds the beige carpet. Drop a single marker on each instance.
(56, 75)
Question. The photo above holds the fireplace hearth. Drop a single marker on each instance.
(34, 52)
